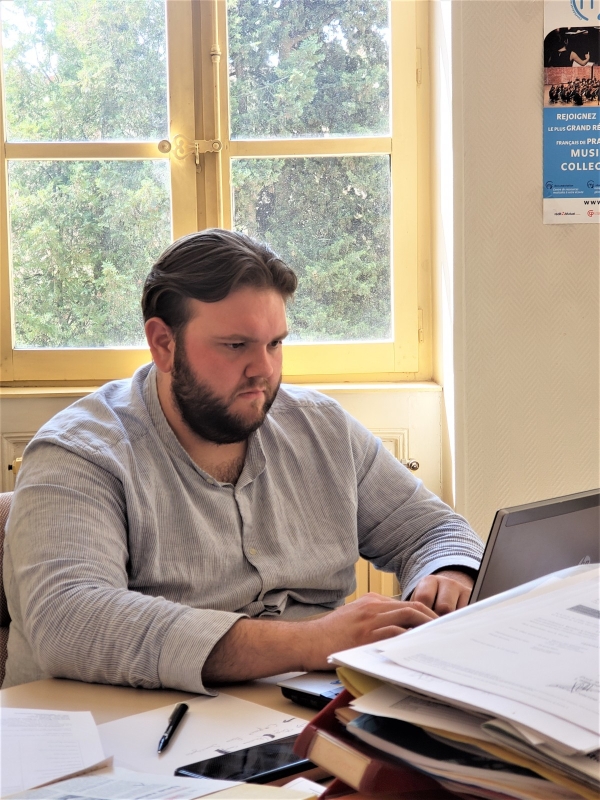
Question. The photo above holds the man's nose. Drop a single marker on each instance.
(260, 364)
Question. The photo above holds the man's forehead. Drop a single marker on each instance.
(240, 309)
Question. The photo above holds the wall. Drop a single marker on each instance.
(526, 307)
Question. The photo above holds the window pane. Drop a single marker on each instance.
(329, 218)
(84, 235)
(84, 70)
(308, 68)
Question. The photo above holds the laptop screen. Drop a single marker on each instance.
(532, 540)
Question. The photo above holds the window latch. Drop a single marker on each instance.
(184, 147)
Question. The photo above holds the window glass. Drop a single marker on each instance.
(76, 70)
(329, 218)
(308, 69)
(83, 236)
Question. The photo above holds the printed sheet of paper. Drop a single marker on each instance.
(42, 746)
(212, 726)
(542, 651)
(395, 703)
(120, 783)
(564, 734)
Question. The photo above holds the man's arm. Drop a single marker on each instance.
(255, 648)
(405, 528)
(66, 579)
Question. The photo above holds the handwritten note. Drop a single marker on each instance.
(212, 726)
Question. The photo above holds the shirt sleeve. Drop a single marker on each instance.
(402, 526)
(67, 584)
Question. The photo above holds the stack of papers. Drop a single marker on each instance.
(515, 677)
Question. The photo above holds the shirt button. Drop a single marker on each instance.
(252, 550)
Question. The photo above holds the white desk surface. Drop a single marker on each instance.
(108, 703)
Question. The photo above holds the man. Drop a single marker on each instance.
(177, 529)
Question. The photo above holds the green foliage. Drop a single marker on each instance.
(85, 233)
(329, 219)
(307, 68)
(82, 70)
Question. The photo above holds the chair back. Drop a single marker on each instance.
(5, 499)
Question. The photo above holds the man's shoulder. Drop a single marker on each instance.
(292, 398)
(105, 419)
(299, 410)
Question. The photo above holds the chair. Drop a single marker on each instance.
(5, 500)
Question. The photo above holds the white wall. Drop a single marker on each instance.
(526, 301)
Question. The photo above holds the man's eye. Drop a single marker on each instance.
(234, 345)
(276, 343)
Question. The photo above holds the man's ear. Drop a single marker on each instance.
(161, 342)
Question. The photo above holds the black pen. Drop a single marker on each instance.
(174, 721)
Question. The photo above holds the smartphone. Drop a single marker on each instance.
(263, 763)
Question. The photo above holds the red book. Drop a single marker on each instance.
(362, 767)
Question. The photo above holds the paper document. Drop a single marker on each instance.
(212, 726)
(395, 703)
(42, 746)
(123, 784)
(542, 651)
(469, 659)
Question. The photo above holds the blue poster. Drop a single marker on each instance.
(571, 189)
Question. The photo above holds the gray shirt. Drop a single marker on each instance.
(125, 563)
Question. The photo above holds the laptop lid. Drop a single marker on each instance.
(535, 539)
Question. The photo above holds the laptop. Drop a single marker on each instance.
(535, 539)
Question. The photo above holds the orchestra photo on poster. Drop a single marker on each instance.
(572, 67)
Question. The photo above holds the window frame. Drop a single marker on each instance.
(195, 86)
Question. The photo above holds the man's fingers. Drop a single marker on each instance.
(387, 633)
(408, 617)
(426, 591)
(448, 596)
(387, 604)
(444, 592)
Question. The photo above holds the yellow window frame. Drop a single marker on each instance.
(198, 92)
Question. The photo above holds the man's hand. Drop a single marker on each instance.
(369, 619)
(255, 648)
(444, 591)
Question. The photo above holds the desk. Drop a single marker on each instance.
(108, 703)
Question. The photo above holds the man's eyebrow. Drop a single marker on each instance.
(240, 337)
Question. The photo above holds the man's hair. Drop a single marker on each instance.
(208, 266)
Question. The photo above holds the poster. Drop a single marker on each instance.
(571, 111)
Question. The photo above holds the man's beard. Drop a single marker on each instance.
(207, 415)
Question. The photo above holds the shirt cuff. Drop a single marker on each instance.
(188, 644)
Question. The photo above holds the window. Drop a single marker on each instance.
(129, 124)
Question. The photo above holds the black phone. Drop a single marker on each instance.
(263, 763)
